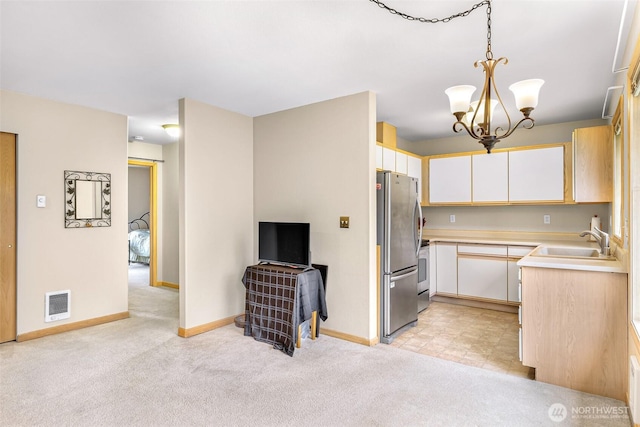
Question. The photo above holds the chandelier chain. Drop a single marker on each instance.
(434, 20)
(489, 53)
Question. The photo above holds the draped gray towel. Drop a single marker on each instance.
(278, 299)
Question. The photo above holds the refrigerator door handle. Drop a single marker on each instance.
(419, 240)
(402, 276)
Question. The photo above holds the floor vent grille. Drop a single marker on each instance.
(57, 305)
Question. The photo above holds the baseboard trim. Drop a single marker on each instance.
(508, 308)
(168, 285)
(72, 326)
(197, 330)
(349, 337)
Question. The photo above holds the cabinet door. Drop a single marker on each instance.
(593, 164)
(450, 180)
(513, 281)
(388, 159)
(513, 274)
(378, 157)
(490, 177)
(480, 276)
(401, 163)
(446, 268)
(536, 175)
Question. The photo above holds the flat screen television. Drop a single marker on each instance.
(284, 243)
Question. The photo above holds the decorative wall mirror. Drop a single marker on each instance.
(88, 199)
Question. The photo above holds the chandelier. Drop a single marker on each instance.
(476, 117)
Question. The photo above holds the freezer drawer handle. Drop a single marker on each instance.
(393, 279)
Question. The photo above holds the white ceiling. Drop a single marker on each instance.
(138, 58)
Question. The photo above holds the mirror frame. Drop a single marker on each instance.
(70, 220)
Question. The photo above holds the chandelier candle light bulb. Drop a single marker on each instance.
(526, 94)
(460, 99)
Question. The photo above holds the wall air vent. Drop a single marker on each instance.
(57, 305)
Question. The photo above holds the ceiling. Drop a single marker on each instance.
(138, 58)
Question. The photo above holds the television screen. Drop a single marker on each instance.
(284, 243)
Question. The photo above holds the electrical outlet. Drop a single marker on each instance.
(547, 219)
(344, 222)
(41, 201)
(452, 218)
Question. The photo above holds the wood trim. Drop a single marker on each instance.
(168, 285)
(8, 237)
(349, 337)
(200, 329)
(483, 256)
(72, 326)
(425, 182)
(386, 134)
(153, 213)
(506, 306)
(378, 289)
(568, 173)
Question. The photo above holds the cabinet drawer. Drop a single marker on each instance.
(519, 251)
(493, 250)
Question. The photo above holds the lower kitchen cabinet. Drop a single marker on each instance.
(447, 268)
(482, 271)
(482, 277)
(574, 329)
(513, 273)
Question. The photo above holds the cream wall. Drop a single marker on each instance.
(169, 270)
(215, 212)
(564, 218)
(314, 164)
(138, 192)
(144, 151)
(91, 262)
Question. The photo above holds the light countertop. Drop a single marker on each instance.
(535, 240)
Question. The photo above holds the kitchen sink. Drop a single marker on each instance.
(570, 252)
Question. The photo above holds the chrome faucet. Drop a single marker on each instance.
(601, 237)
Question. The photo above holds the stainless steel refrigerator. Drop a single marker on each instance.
(399, 236)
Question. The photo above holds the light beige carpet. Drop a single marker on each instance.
(138, 372)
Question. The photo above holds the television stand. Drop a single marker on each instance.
(278, 300)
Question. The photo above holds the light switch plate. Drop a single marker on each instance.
(41, 201)
(344, 222)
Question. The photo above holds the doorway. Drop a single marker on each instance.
(8, 286)
(152, 168)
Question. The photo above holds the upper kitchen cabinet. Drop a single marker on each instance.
(490, 177)
(593, 164)
(537, 175)
(401, 162)
(450, 180)
(389, 157)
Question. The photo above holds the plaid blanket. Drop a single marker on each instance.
(278, 299)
